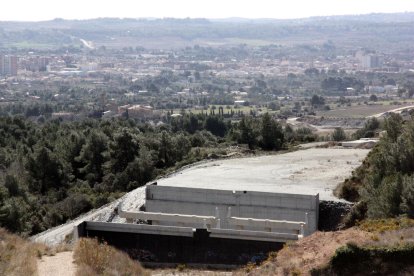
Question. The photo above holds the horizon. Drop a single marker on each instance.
(46, 10)
(208, 18)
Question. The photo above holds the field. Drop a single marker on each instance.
(362, 110)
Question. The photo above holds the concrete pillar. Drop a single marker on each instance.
(228, 212)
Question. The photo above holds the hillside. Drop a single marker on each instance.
(379, 30)
(348, 252)
(21, 257)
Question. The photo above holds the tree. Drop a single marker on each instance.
(123, 149)
(368, 131)
(248, 134)
(93, 155)
(272, 133)
(393, 126)
(338, 134)
(45, 170)
(165, 151)
(216, 125)
(317, 100)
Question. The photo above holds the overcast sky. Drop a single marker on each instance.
(35, 10)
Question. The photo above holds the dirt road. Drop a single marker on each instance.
(396, 110)
(60, 264)
(131, 201)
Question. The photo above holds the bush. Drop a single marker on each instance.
(94, 258)
(338, 134)
(17, 256)
(349, 190)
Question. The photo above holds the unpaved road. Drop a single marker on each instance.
(131, 201)
(396, 110)
(310, 171)
(60, 264)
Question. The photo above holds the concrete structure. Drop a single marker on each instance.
(230, 214)
(313, 171)
(371, 61)
(209, 226)
(367, 143)
(140, 111)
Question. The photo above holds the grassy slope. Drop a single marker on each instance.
(315, 253)
(94, 258)
(18, 256)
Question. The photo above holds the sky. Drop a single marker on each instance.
(38, 10)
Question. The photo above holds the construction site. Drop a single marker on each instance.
(226, 212)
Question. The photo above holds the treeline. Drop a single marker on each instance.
(384, 183)
(54, 171)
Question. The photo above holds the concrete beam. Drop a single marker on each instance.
(267, 223)
(209, 220)
(140, 228)
(253, 235)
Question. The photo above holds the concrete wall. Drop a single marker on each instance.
(245, 204)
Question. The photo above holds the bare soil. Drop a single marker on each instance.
(60, 264)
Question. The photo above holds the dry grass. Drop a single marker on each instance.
(94, 258)
(299, 258)
(393, 238)
(383, 225)
(18, 256)
(316, 250)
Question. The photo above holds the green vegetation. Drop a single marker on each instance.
(352, 259)
(384, 182)
(55, 171)
(338, 134)
(383, 225)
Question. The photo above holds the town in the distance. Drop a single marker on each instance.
(244, 146)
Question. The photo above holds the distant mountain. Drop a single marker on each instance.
(379, 31)
(373, 17)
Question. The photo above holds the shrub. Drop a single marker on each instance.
(338, 134)
(97, 258)
(382, 225)
(17, 256)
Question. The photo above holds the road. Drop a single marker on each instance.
(396, 110)
(87, 44)
(131, 201)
